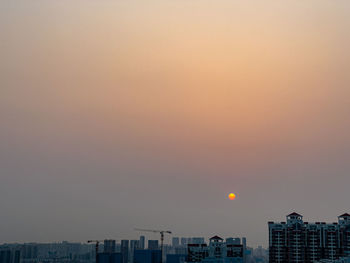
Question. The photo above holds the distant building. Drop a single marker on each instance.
(124, 250)
(244, 242)
(10, 256)
(134, 244)
(29, 251)
(176, 258)
(184, 241)
(147, 256)
(233, 241)
(217, 251)
(197, 240)
(181, 250)
(109, 246)
(340, 260)
(197, 252)
(110, 258)
(175, 242)
(142, 242)
(153, 244)
(297, 241)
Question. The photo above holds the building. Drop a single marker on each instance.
(176, 258)
(297, 241)
(124, 250)
(344, 229)
(109, 246)
(175, 242)
(184, 241)
(63, 252)
(340, 260)
(147, 256)
(217, 251)
(29, 252)
(197, 252)
(142, 242)
(10, 256)
(181, 250)
(197, 240)
(153, 244)
(134, 244)
(110, 258)
(232, 240)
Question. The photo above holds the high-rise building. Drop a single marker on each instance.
(147, 256)
(216, 251)
(29, 251)
(176, 258)
(232, 240)
(134, 244)
(10, 256)
(344, 229)
(124, 249)
(197, 240)
(175, 242)
(110, 258)
(153, 244)
(142, 242)
(297, 241)
(340, 260)
(184, 241)
(244, 242)
(109, 246)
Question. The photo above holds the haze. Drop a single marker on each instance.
(122, 114)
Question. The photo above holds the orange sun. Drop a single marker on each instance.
(231, 196)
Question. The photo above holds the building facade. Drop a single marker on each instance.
(153, 244)
(10, 256)
(296, 241)
(124, 249)
(217, 251)
(147, 256)
(109, 246)
(142, 242)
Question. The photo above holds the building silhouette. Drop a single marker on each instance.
(110, 257)
(147, 256)
(109, 246)
(175, 242)
(296, 241)
(124, 250)
(142, 242)
(217, 251)
(10, 256)
(153, 244)
(134, 244)
(176, 258)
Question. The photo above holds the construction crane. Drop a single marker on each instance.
(161, 232)
(97, 243)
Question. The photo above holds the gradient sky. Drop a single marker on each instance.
(122, 114)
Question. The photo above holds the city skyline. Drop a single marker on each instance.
(196, 249)
(292, 241)
(169, 239)
(120, 114)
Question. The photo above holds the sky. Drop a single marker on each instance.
(120, 114)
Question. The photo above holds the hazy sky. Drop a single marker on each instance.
(118, 114)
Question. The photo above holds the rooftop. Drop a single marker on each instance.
(216, 238)
(344, 215)
(294, 214)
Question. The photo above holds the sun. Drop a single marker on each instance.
(231, 196)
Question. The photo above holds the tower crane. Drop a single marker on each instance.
(161, 232)
(97, 243)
